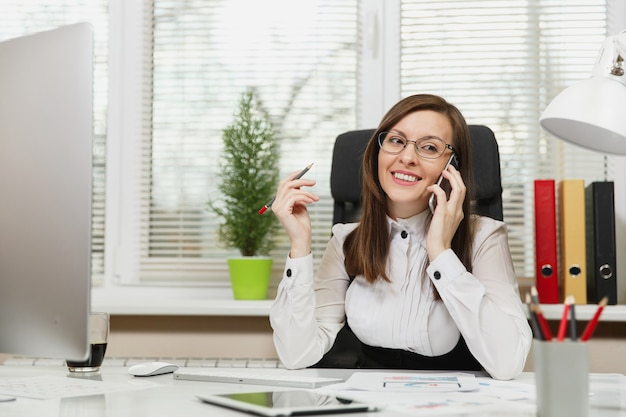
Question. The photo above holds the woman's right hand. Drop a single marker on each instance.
(289, 206)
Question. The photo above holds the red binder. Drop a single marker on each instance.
(546, 274)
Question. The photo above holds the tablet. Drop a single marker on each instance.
(287, 403)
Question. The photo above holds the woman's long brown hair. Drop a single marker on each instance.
(366, 248)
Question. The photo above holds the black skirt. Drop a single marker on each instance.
(349, 352)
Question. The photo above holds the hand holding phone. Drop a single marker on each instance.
(443, 183)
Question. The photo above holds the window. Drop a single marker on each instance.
(301, 58)
(500, 62)
(174, 70)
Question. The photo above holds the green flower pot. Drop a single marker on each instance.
(250, 277)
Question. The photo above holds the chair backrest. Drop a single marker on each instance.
(346, 181)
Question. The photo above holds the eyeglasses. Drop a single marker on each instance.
(428, 147)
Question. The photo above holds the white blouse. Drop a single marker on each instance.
(484, 306)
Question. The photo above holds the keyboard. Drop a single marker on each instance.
(230, 370)
(258, 376)
(130, 361)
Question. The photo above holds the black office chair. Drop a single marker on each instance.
(346, 182)
(345, 187)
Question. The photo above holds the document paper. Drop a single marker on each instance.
(412, 382)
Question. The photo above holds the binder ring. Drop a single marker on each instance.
(606, 271)
(574, 270)
(546, 270)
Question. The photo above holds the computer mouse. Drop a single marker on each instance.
(152, 368)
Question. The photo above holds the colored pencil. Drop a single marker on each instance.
(564, 319)
(591, 326)
(534, 295)
(573, 334)
(545, 329)
(533, 319)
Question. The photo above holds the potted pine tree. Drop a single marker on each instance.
(248, 177)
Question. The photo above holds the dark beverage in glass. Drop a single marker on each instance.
(93, 362)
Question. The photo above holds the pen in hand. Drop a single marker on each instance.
(269, 203)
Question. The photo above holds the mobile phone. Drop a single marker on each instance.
(443, 183)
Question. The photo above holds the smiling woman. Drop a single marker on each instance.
(413, 286)
(416, 166)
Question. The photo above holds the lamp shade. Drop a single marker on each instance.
(592, 113)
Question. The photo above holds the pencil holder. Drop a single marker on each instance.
(561, 378)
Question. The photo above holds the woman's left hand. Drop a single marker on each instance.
(448, 214)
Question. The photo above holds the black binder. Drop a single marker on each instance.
(601, 246)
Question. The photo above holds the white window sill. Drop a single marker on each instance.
(174, 301)
(201, 301)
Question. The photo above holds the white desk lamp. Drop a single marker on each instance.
(592, 113)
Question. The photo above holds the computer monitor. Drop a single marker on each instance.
(46, 133)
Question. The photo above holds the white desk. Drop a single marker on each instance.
(164, 396)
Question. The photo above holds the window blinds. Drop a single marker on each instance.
(18, 18)
(501, 62)
(301, 59)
